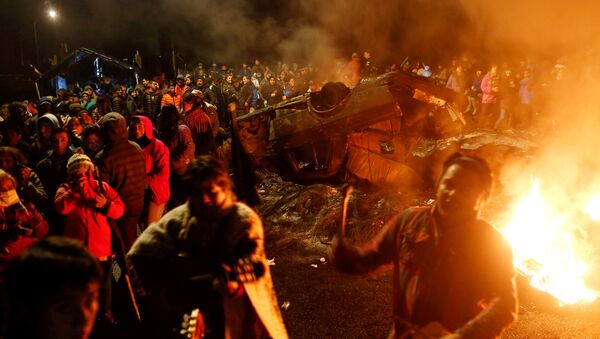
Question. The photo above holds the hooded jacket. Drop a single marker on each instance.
(157, 164)
(121, 163)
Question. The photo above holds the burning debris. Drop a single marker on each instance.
(554, 247)
(394, 130)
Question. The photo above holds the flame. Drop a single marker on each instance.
(593, 208)
(550, 250)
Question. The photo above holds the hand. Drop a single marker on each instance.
(228, 287)
(81, 183)
(22, 214)
(101, 201)
(247, 271)
(341, 255)
(25, 174)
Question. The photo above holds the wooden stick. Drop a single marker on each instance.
(346, 193)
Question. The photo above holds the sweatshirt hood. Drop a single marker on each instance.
(114, 126)
(147, 126)
(50, 118)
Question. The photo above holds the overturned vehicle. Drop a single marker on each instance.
(394, 131)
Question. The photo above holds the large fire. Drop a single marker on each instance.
(551, 247)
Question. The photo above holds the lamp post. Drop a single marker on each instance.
(52, 14)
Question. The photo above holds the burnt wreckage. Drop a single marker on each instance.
(394, 131)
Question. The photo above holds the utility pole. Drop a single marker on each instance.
(37, 47)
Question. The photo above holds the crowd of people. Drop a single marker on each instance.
(101, 165)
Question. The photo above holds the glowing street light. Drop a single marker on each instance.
(53, 14)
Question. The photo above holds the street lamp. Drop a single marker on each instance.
(52, 14)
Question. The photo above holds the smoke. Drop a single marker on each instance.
(556, 32)
(236, 31)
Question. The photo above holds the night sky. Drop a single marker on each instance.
(226, 31)
(236, 31)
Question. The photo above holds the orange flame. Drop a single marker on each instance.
(551, 251)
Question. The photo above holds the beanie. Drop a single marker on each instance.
(77, 160)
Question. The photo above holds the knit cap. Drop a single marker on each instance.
(77, 160)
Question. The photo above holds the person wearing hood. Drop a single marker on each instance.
(157, 167)
(20, 222)
(53, 168)
(122, 165)
(41, 142)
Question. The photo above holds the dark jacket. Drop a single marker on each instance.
(209, 94)
(462, 279)
(132, 106)
(40, 147)
(121, 163)
(181, 146)
(53, 171)
(119, 105)
(246, 93)
(267, 90)
(33, 190)
(151, 102)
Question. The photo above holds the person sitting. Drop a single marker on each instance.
(51, 291)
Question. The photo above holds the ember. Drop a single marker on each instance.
(551, 248)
